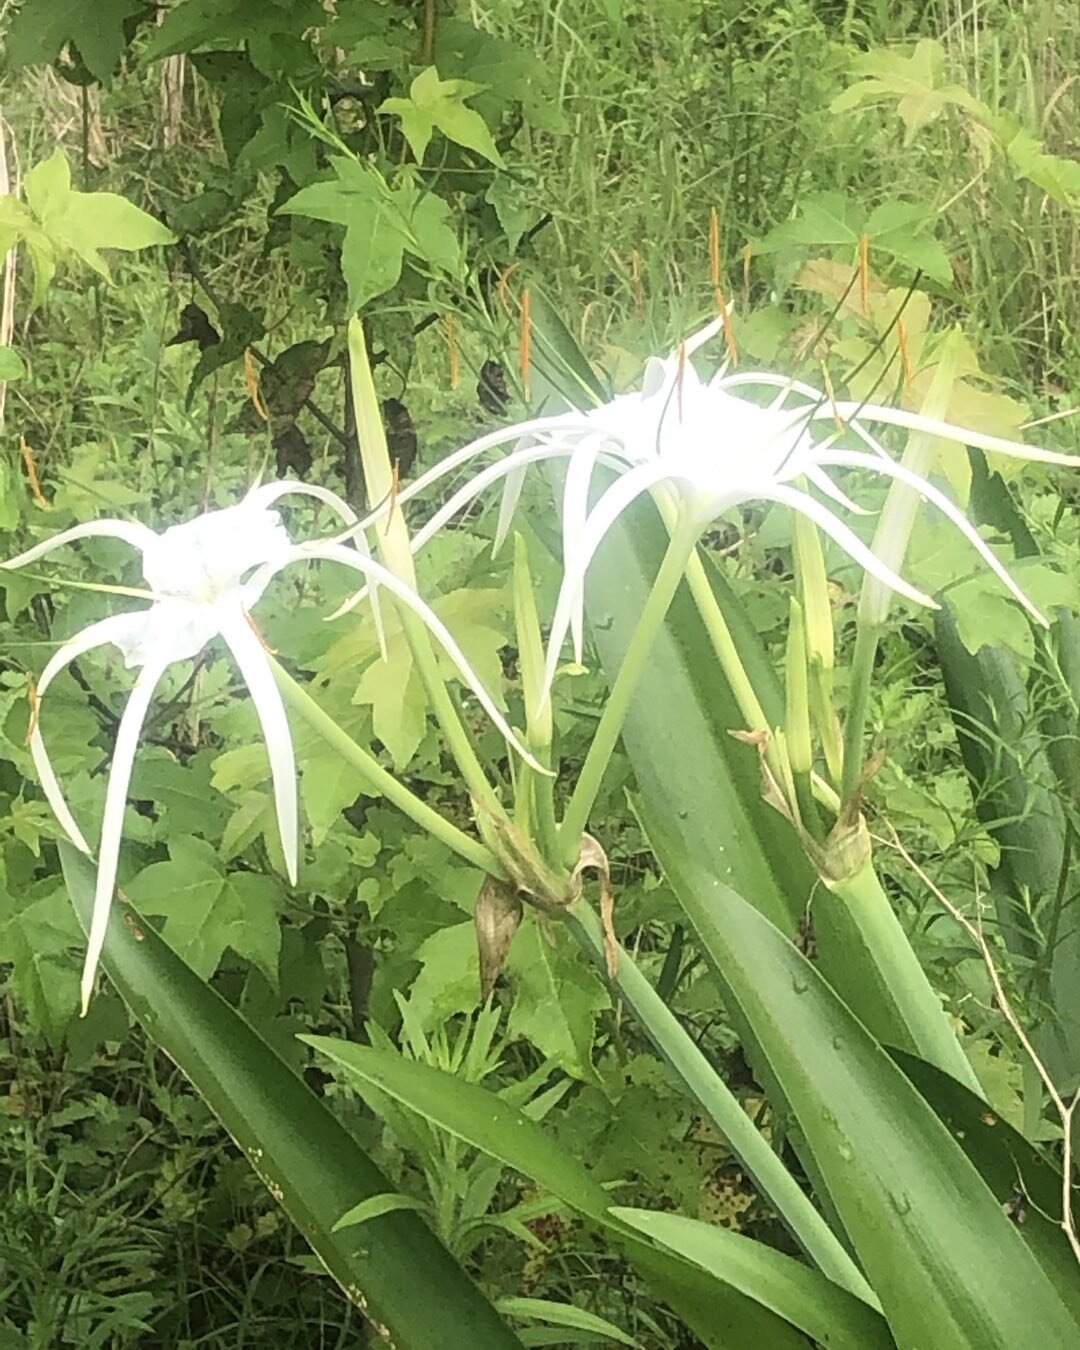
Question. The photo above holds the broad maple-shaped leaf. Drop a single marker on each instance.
(358, 198)
(435, 104)
(902, 230)
(1058, 177)
(381, 224)
(189, 25)
(41, 28)
(12, 366)
(449, 978)
(207, 909)
(393, 687)
(57, 220)
(37, 937)
(914, 81)
(985, 615)
(556, 997)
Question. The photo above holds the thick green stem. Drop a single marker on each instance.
(608, 729)
(862, 673)
(702, 1083)
(385, 784)
(724, 647)
(889, 991)
(535, 804)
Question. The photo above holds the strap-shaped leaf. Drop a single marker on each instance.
(719, 1313)
(1024, 1180)
(806, 1298)
(393, 1267)
(948, 1265)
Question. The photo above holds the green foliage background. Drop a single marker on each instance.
(259, 170)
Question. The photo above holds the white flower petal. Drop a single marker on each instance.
(118, 630)
(127, 741)
(464, 496)
(512, 488)
(257, 675)
(824, 484)
(269, 493)
(850, 542)
(581, 550)
(536, 426)
(575, 511)
(931, 426)
(129, 531)
(703, 335)
(948, 508)
(376, 572)
(821, 406)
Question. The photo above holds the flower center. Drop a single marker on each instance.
(207, 558)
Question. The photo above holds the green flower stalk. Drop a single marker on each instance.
(813, 584)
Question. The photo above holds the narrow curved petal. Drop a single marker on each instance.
(824, 484)
(537, 426)
(850, 542)
(117, 630)
(512, 489)
(129, 531)
(255, 669)
(465, 495)
(948, 508)
(269, 493)
(822, 406)
(123, 760)
(703, 335)
(377, 573)
(931, 426)
(785, 383)
(581, 551)
(575, 512)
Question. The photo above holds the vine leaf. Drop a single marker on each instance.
(435, 104)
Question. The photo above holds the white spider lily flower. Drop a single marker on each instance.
(699, 445)
(203, 577)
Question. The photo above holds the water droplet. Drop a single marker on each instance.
(800, 983)
(901, 1203)
(683, 814)
(838, 1042)
(845, 1150)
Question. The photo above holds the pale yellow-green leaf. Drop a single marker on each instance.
(914, 81)
(435, 103)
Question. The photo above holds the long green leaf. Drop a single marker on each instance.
(720, 1314)
(1014, 787)
(701, 1081)
(1025, 1182)
(393, 1269)
(950, 1269)
(803, 1297)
